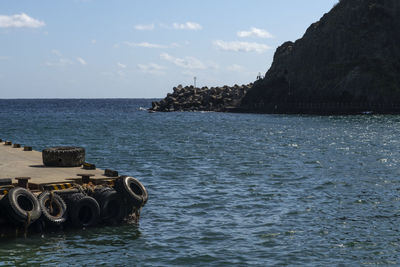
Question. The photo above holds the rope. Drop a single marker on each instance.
(27, 223)
(80, 188)
(51, 198)
(137, 215)
(88, 189)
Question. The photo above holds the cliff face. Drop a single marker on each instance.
(352, 55)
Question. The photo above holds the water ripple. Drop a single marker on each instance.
(225, 189)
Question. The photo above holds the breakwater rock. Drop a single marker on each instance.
(347, 62)
(189, 98)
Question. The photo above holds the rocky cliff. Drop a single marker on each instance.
(347, 62)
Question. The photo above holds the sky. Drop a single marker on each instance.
(142, 49)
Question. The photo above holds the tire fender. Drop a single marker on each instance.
(112, 206)
(133, 190)
(22, 206)
(84, 211)
(54, 209)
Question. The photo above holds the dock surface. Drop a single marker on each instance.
(15, 162)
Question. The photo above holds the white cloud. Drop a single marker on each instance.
(235, 67)
(19, 21)
(60, 62)
(81, 60)
(255, 32)
(149, 45)
(93, 41)
(144, 27)
(165, 26)
(115, 75)
(122, 66)
(188, 73)
(56, 52)
(152, 68)
(121, 73)
(65, 61)
(145, 44)
(212, 65)
(241, 46)
(187, 26)
(187, 62)
(175, 45)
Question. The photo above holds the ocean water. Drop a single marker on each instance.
(224, 189)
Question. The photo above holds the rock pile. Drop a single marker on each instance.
(189, 98)
(347, 62)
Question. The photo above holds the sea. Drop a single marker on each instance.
(224, 189)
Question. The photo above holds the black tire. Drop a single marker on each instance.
(54, 209)
(63, 156)
(133, 190)
(3, 213)
(22, 206)
(83, 211)
(113, 208)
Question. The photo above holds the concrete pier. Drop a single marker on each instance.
(35, 197)
(16, 162)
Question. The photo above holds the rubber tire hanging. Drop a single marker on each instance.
(112, 207)
(133, 190)
(54, 209)
(22, 206)
(83, 211)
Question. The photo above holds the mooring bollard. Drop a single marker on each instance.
(16, 145)
(23, 181)
(5, 181)
(85, 177)
(27, 148)
(110, 173)
(8, 143)
(88, 166)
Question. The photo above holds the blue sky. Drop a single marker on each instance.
(141, 49)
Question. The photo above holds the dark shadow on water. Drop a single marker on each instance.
(9, 234)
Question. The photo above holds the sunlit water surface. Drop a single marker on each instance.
(225, 189)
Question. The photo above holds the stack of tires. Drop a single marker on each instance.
(103, 205)
(107, 205)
